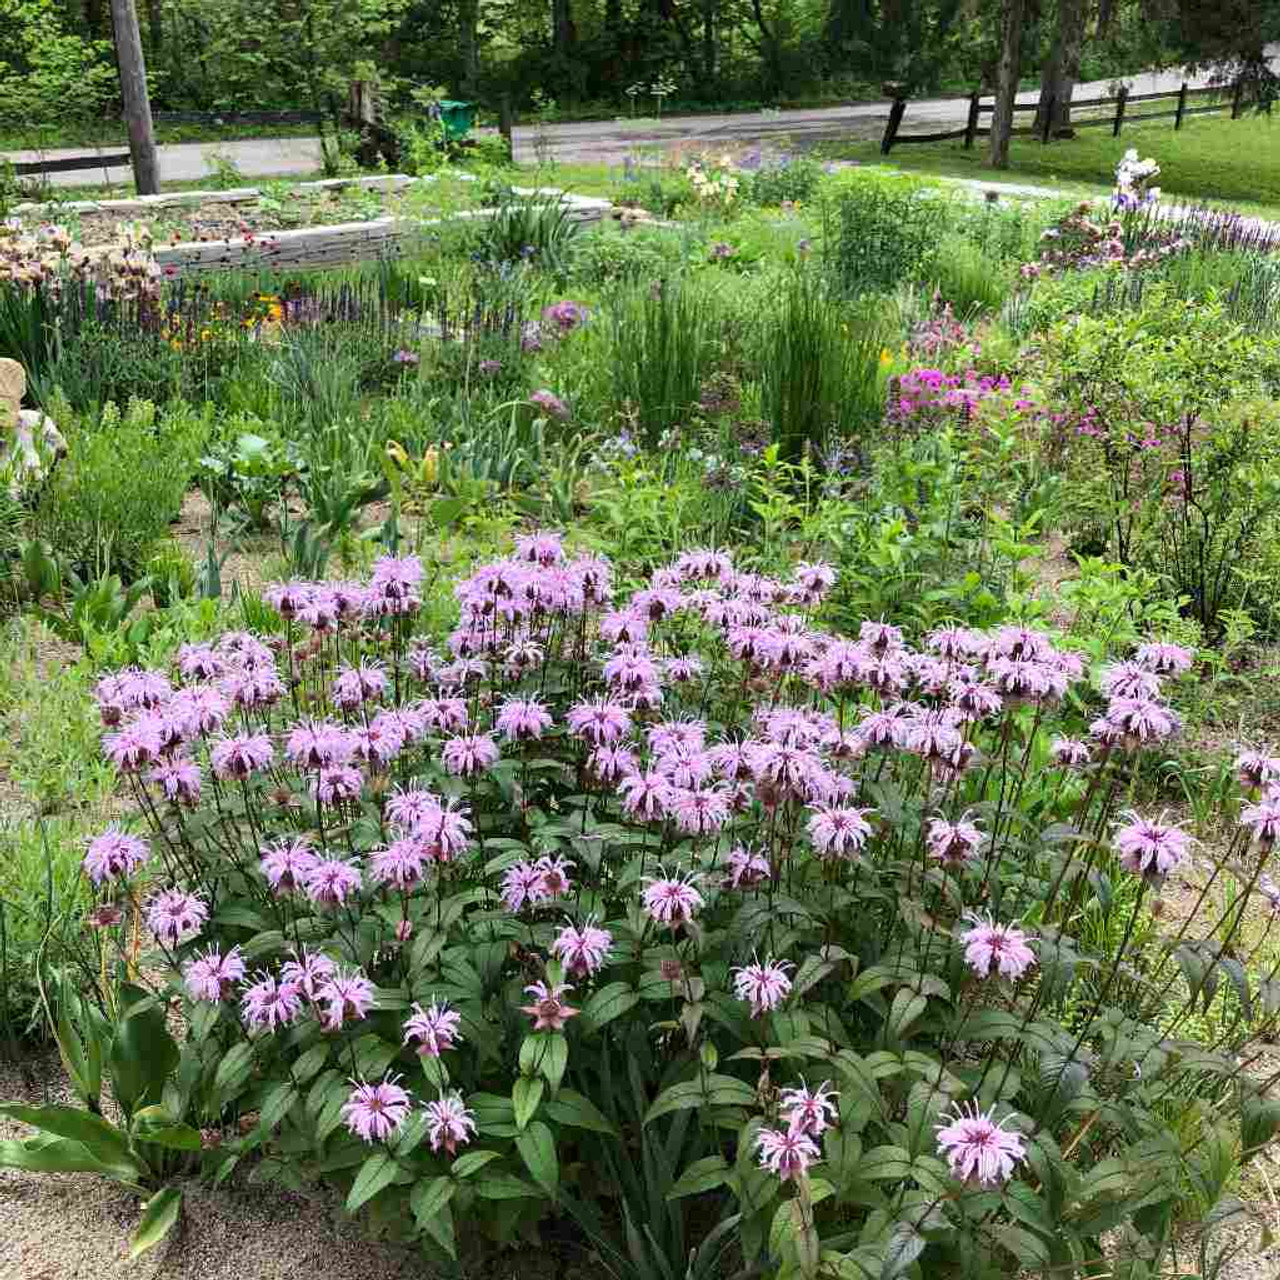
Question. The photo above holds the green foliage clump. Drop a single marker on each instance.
(120, 486)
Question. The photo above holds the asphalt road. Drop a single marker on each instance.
(606, 141)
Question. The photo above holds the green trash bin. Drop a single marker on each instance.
(457, 118)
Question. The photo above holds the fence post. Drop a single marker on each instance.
(506, 119)
(971, 125)
(1121, 98)
(1236, 99)
(1182, 106)
(1047, 131)
(891, 129)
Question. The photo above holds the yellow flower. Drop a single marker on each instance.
(886, 356)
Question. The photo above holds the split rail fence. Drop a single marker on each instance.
(1117, 118)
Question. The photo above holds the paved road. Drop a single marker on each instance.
(608, 141)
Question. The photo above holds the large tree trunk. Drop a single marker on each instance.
(468, 48)
(1062, 66)
(1008, 70)
(563, 33)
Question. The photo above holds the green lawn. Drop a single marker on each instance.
(1210, 158)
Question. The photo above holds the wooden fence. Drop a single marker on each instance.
(1116, 118)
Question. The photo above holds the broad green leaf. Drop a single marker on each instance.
(63, 1155)
(572, 1108)
(538, 1150)
(233, 1071)
(505, 1186)
(607, 1004)
(103, 1140)
(525, 1096)
(905, 1010)
(143, 1053)
(1026, 1246)
(430, 1196)
(884, 1163)
(905, 1245)
(310, 1062)
(377, 1172)
(710, 1091)
(275, 1106)
(702, 1175)
(173, 1137)
(467, 1164)
(157, 1220)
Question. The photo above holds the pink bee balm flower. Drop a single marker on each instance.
(241, 757)
(1070, 753)
(135, 746)
(331, 882)
(375, 1111)
(1151, 849)
(807, 1112)
(555, 875)
(287, 864)
(114, 853)
(647, 796)
(601, 723)
(354, 686)
(544, 547)
(840, 832)
(978, 1149)
(1004, 947)
(1255, 769)
(548, 1011)
(449, 1123)
(174, 916)
(701, 810)
(270, 1004)
(1142, 720)
(335, 785)
(435, 1029)
(308, 971)
(401, 864)
(953, 843)
(747, 868)
(522, 884)
(1263, 819)
(549, 403)
(469, 755)
(609, 764)
(763, 986)
(1165, 659)
(583, 950)
(522, 720)
(211, 976)
(671, 901)
(344, 996)
(178, 779)
(785, 1153)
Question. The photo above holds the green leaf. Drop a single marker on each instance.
(545, 1053)
(711, 1091)
(702, 1175)
(233, 1071)
(906, 1009)
(905, 1245)
(430, 1196)
(884, 1164)
(310, 1062)
(465, 1165)
(157, 1220)
(63, 1155)
(607, 1004)
(275, 1106)
(103, 1140)
(143, 1053)
(572, 1108)
(1026, 1246)
(505, 1186)
(377, 1172)
(525, 1096)
(173, 1137)
(538, 1151)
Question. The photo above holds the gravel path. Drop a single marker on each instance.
(77, 1227)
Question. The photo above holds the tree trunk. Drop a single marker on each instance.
(1008, 70)
(709, 41)
(133, 90)
(563, 33)
(1058, 77)
(155, 29)
(468, 47)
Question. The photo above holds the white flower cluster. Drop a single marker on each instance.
(713, 185)
(1132, 176)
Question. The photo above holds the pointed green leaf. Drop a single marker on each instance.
(103, 1140)
(572, 1108)
(702, 1175)
(538, 1151)
(157, 1220)
(377, 1172)
(525, 1096)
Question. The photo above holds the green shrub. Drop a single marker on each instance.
(609, 255)
(120, 486)
(966, 277)
(793, 178)
(883, 232)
